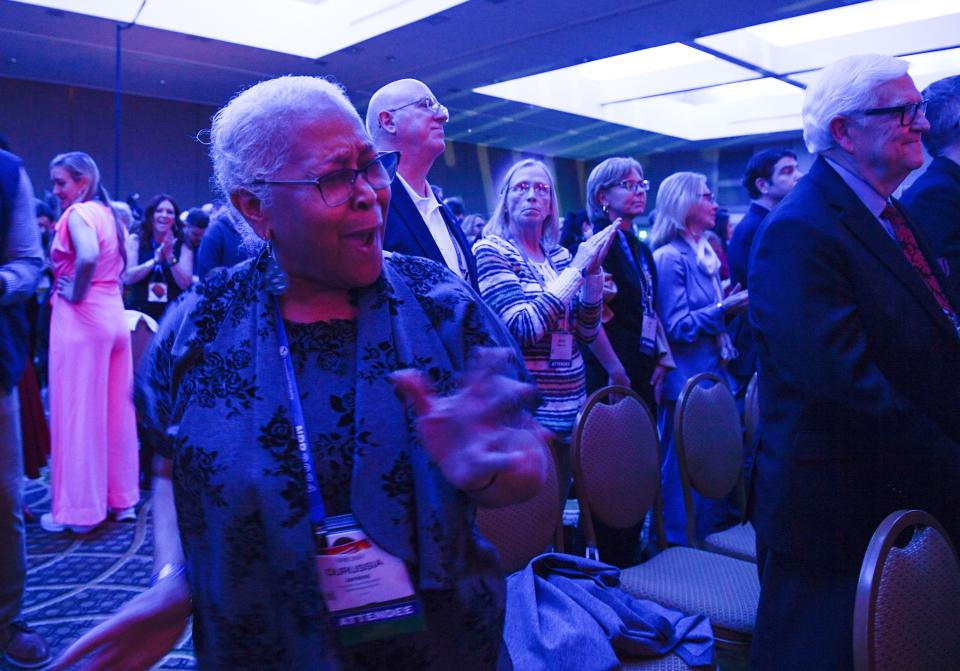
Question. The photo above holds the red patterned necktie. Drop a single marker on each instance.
(908, 243)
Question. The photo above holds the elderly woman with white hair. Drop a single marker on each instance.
(546, 297)
(693, 310)
(304, 516)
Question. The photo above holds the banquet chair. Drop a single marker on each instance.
(142, 329)
(709, 446)
(907, 596)
(616, 466)
(521, 531)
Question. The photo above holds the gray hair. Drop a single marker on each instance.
(499, 223)
(251, 136)
(605, 175)
(943, 113)
(845, 86)
(676, 195)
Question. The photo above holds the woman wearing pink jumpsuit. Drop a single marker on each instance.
(92, 424)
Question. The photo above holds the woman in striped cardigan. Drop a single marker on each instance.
(547, 298)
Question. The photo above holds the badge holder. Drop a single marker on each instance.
(368, 592)
(157, 292)
(648, 334)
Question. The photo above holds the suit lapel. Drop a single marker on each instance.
(407, 213)
(460, 240)
(856, 218)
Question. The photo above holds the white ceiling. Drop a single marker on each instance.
(463, 47)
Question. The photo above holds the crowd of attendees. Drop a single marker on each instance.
(492, 329)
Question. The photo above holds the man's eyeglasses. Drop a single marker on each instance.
(637, 187)
(908, 112)
(336, 187)
(539, 188)
(427, 103)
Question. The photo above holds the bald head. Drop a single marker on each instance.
(404, 116)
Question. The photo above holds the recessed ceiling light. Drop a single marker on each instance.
(307, 28)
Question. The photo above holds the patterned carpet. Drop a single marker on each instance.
(75, 582)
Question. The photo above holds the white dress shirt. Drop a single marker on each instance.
(429, 209)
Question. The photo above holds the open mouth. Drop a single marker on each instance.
(364, 239)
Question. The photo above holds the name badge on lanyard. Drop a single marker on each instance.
(157, 292)
(561, 349)
(648, 334)
(368, 592)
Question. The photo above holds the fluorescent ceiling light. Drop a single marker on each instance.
(307, 28)
(813, 40)
(678, 90)
(744, 108)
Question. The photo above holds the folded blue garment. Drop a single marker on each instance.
(568, 612)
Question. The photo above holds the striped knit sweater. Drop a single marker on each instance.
(532, 314)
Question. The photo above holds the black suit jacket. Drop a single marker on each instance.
(407, 233)
(859, 383)
(738, 255)
(738, 250)
(934, 203)
(625, 327)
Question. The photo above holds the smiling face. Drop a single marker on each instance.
(623, 202)
(67, 189)
(529, 200)
(332, 247)
(163, 218)
(884, 151)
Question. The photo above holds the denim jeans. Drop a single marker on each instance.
(12, 535)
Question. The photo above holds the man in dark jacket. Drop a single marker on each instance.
(859, 349)
(770, 175)
(934, 199)
(21, 261)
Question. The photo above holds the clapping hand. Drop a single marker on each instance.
(736, 301)
(593, 250)
(482, 437)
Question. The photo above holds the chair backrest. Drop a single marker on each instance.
(142, 329)
(616, 462)
(907, 597)
(708, 440)
(751, 411)
(522, 531)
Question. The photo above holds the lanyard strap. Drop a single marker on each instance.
(565, 325)
(318, 514)
(646, 279)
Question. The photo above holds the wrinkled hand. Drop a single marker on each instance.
(483, 430)
(656, 381)
(66, 288)
(138, 635)
(736, 301)
(593, 250)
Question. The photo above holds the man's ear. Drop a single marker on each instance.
(840, 131)
(762, 185)
(386, 121)
(251, 208)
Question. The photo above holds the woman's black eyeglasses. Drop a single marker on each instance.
(336, 187)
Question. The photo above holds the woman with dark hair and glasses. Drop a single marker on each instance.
(547, 298)
(305, 515)
(164, 267)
